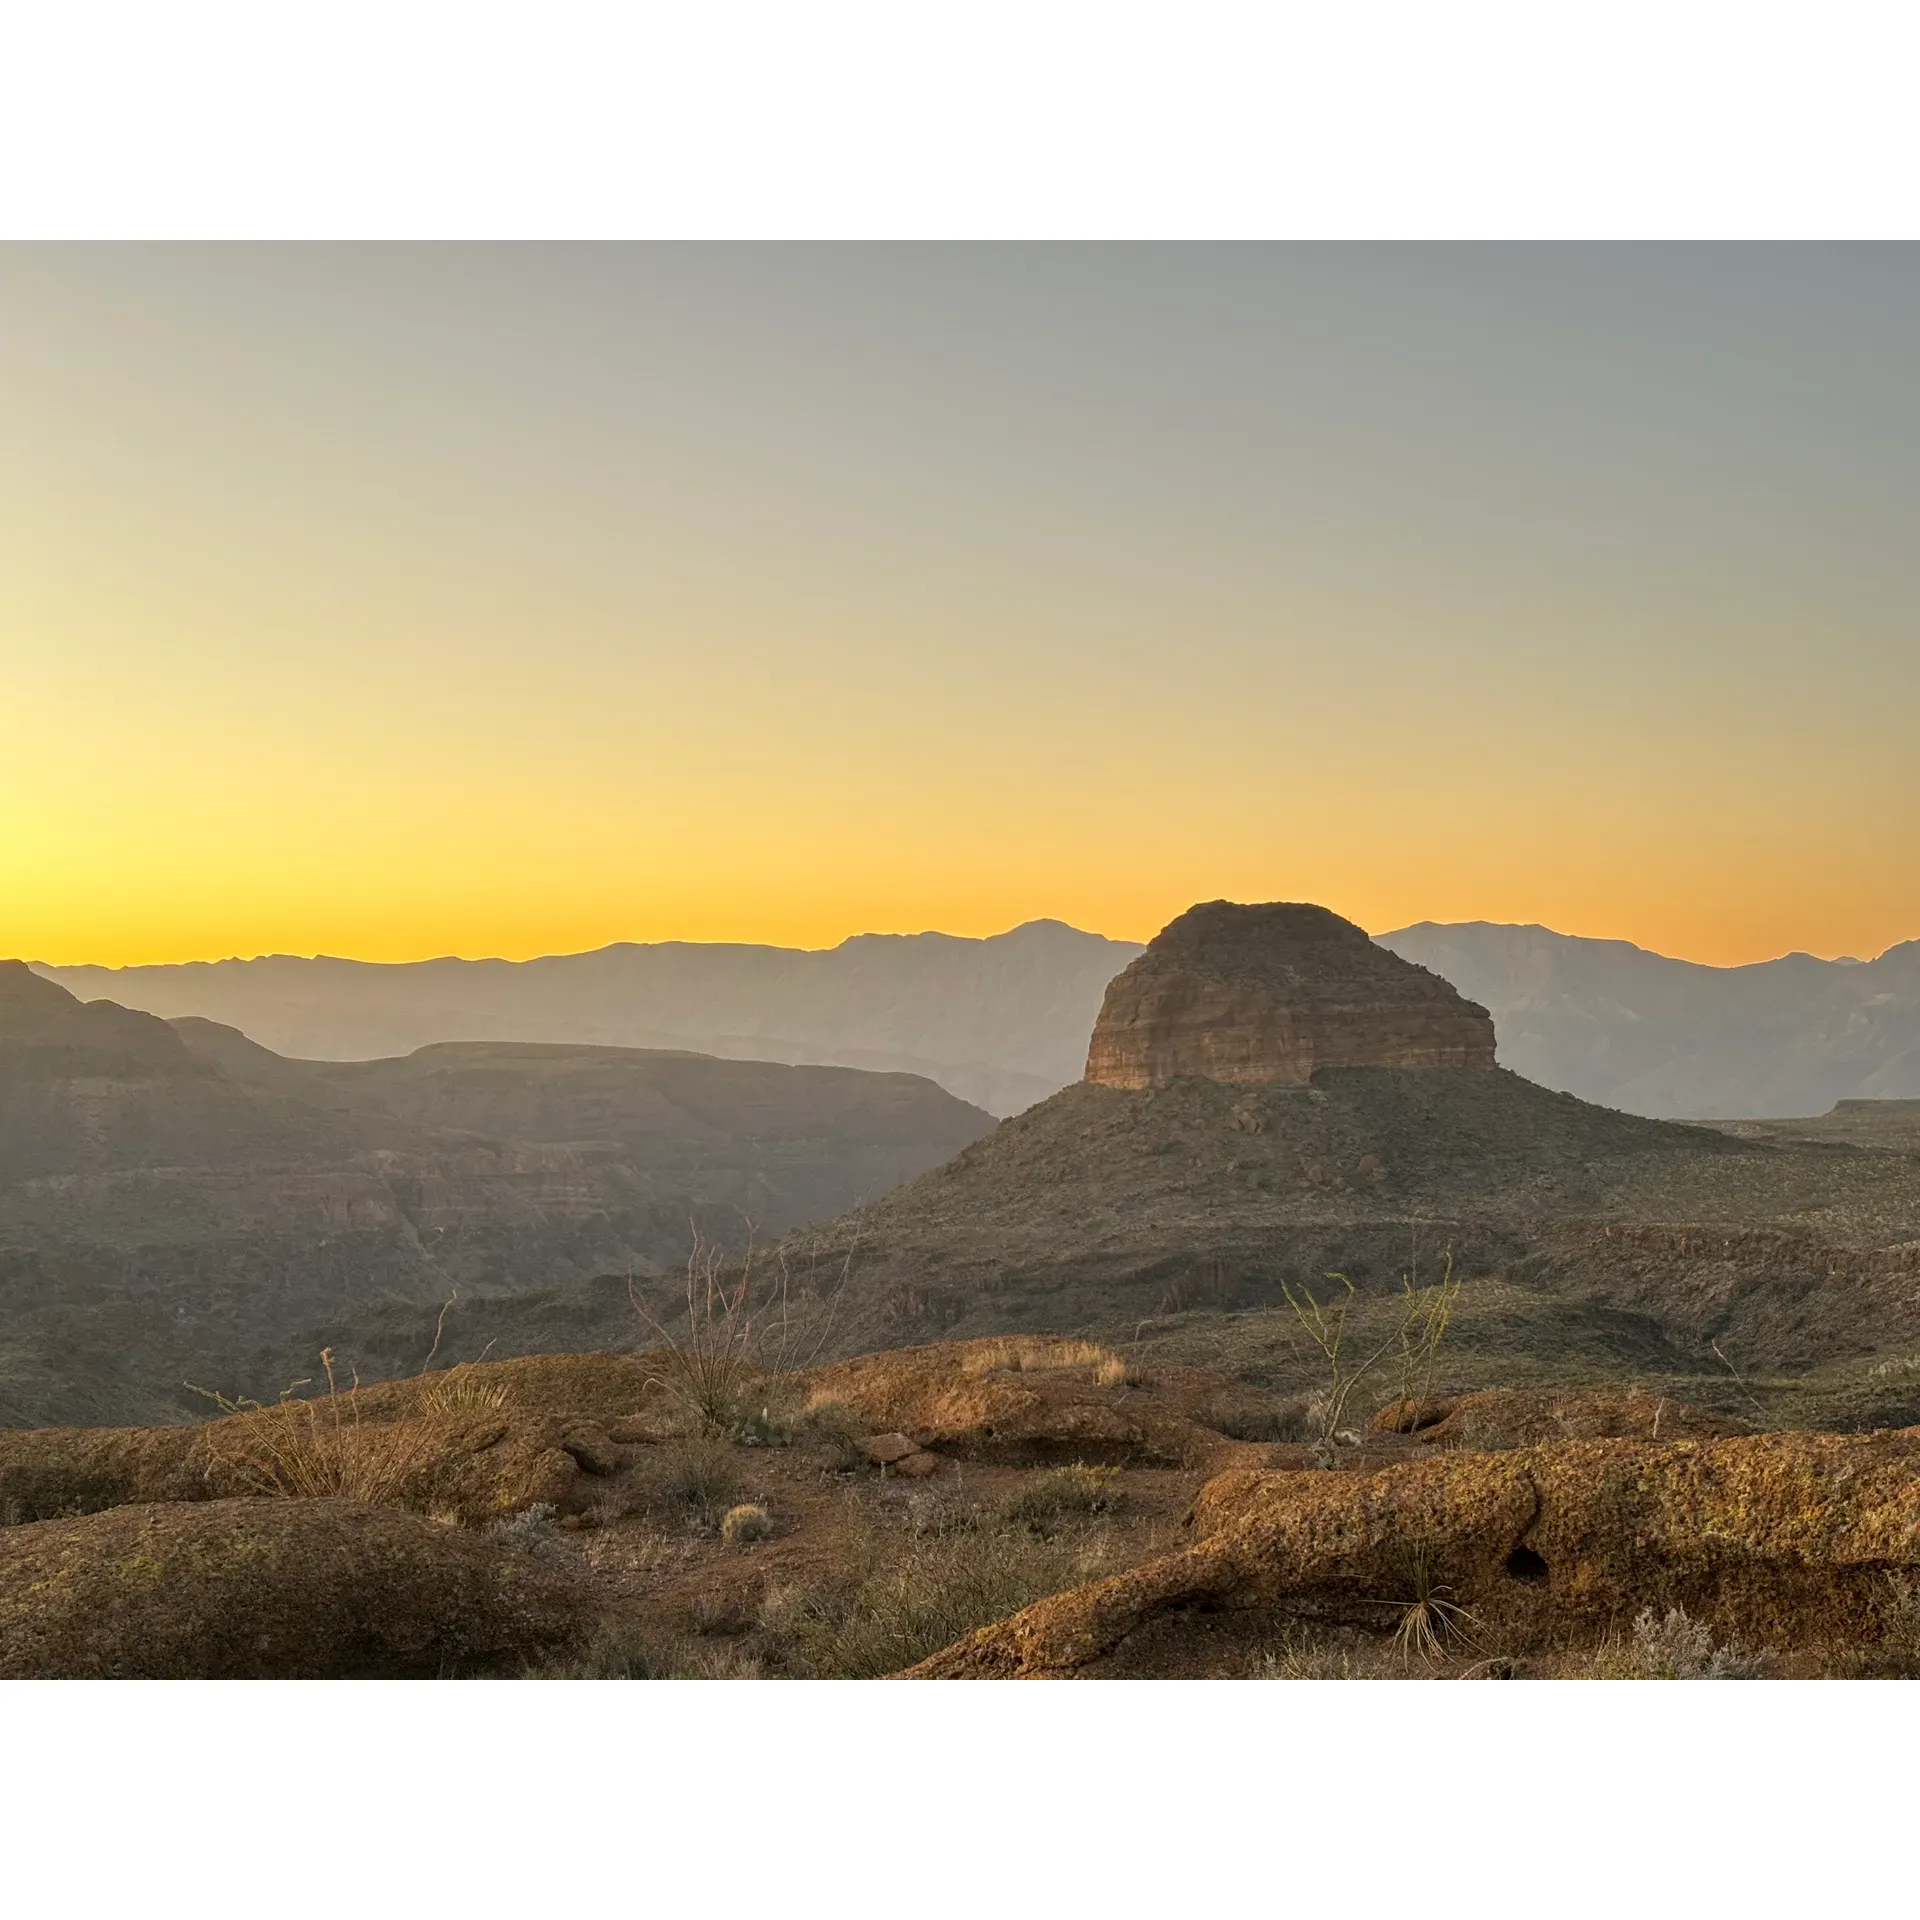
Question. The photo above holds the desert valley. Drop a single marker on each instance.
(1302, 1334)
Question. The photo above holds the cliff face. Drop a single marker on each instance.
(1267, 995)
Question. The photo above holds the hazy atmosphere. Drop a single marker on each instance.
(393, 602)
(756, 963)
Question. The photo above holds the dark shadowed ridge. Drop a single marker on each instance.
(180, 1203)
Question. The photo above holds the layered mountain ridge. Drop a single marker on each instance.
(1004, 1022)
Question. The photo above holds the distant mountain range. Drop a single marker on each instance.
(1003, 1022)
(1625, 1028)
(1000, 1023)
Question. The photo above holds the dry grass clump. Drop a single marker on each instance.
(1243, 1418)
(1033, 1353)
(1429, 1617)
(623, 1650)
(742, 1525)
(829, 1422)
(1044, 1502)
(1327, 1657)
(462, 1392)
(1675, 1646)
(321, 1449)
(911, 1604)
(901, 1599)
(693, 1481)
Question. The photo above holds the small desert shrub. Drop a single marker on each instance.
(931, 1512)
(746, 1334)
(911, 1604)
(1896, 1654)
(1240, 1419)
(832, 1424)
(531, 1529)
(695, 1480)
(1677, 1647)
(1410, 1349)
(742, 1525)
(1044, 1502)
(716, 1611)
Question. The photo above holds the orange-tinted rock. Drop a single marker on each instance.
(1501, 1418)
(1268, 995)
(1775, 1540)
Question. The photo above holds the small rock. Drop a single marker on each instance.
(592, 1450)
(916, 1466)
(885, 1448)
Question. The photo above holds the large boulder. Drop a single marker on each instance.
(270, 1590)
(1498, 1418)
(473, 1443)
(1783, 1540)
(1030, 1399)
(1268, 995)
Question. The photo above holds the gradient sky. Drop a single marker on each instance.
(404, 601)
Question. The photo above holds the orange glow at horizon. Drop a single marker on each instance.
(405, 602)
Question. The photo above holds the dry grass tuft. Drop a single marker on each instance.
(693, 1481)
(1033, 1353)
(913, 1603)
(1429, 1617)
(322, 1449)
(462, 1392)
(1044, 1502)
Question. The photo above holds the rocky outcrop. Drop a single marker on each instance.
(1268, 995)
(270, 1590)
(1781, 1540)
(1029, 1400)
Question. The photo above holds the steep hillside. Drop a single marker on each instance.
(1112, 1207)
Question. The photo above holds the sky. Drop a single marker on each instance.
(397, 601)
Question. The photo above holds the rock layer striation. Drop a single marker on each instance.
(1269, 995)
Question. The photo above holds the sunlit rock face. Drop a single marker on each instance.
(1268, 995)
